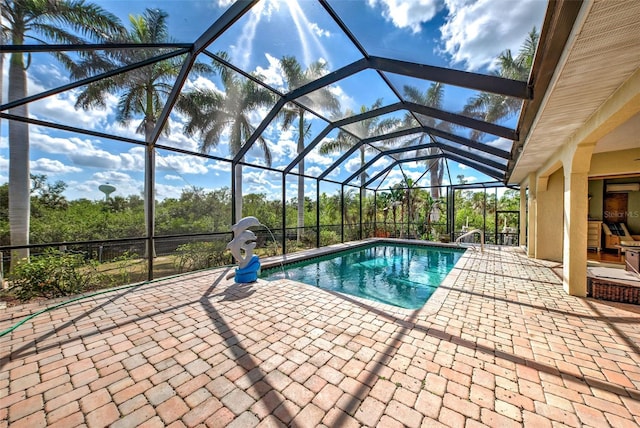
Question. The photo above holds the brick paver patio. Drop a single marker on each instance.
(499, 344)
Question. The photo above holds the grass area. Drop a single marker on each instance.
(111, 274)
(131, 269)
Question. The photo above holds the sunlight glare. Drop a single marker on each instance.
(303, 27)
(242, 52)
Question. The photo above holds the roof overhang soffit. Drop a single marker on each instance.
(556, 29)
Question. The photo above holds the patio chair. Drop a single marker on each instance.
(617, 236)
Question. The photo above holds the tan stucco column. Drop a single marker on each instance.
(531, 217)
(576, 213)
(523, 213)
(549, 205)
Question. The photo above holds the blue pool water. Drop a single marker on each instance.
(400, 275)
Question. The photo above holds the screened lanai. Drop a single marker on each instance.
(366, 137)
(328, 121)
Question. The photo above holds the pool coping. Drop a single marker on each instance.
(431, 306)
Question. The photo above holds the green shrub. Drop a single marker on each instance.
(201, 255)
(124, 263)
(52, 274)
(328, 237)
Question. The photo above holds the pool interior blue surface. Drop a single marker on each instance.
(400, 275)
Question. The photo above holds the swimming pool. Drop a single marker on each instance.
(400, 275)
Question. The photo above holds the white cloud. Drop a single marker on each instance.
(475, 33)
(172, 177)
(352, 165)
(272, 75)
(241, 52)
(220, 166)
(382, 162)
(396, 176)
(310, 190)
(262, 181)
(182, 164)
(407, 13)
(96, 158)
(346, 102)
(314, 157)
(282, 151)
(89, 153)
(501, 143)
(60, 108)
(412, 165)
(60, 145)
(462, 166)
(260, 189)
(334, 174)
(164, 191)
(319, 32)
(262, 177)
(314, 171)
(113, 177)
(51, 166)
(200, 82)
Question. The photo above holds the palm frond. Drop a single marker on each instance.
(86, 19)
(288, 115)
(94, 94)
(341, 143)
(265, 150)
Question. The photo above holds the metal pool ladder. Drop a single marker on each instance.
(471, 232)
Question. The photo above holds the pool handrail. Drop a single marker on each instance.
(471, 232)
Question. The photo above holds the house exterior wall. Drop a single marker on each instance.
(616, 163)
(561, 200)
(549, 230)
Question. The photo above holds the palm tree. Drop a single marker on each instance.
(411, 198)
(432, 97)
(64, 22)
(212, 112)
(322, 99)
(144, 91)
(397, 194)
(492, 107)
(431, 208)
(369, 128)
(383, 200)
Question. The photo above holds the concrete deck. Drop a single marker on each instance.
(499, 344)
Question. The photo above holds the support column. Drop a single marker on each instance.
(532, 218)
(549, 224)
(576, 213)
(523, 216)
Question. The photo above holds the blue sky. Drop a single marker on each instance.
(462, 34)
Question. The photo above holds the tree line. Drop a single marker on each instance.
(399, 211)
